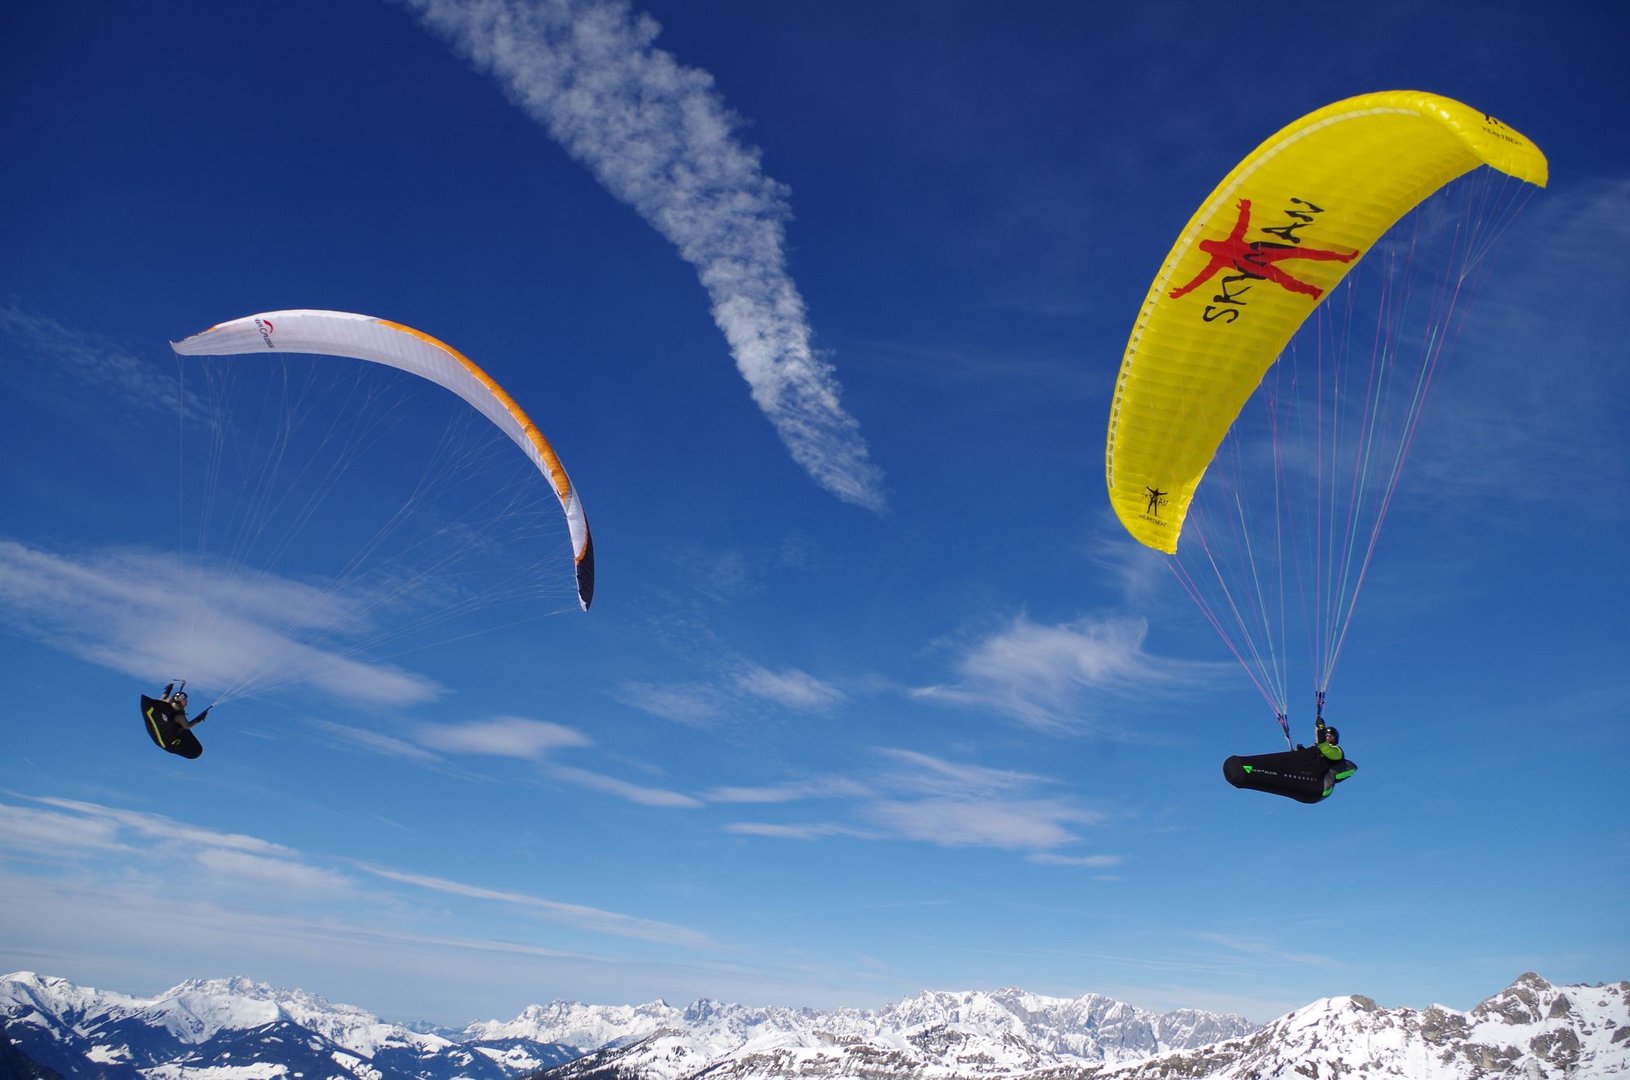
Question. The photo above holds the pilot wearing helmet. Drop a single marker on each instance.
(177, 700)
(1328, 741)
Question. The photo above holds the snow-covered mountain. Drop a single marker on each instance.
(1531, 1030)
(974, 1034)
(585, 1027)
(235, 1029)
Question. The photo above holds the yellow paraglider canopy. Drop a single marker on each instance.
(1264, 248)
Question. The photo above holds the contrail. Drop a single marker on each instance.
(658, 136)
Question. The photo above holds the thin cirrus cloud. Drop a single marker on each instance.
(536, 741)
(699, 704)
(694, 704)
(256, 871)
(1063, 677)
(791, 791)
(597, 919)
(132, 845)
(908, 795)
(953, 804)
(1022, 824)
(503, 736)
(1538, 420)
(1094, 862)
(62, 360)
(642, 794)
(790, 688)
(139, 853)
(30, 832)
(658, 136)
(117, 608)
(375, 742)
(810, 831)
(142, 830)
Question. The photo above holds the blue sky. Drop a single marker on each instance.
(821, 305)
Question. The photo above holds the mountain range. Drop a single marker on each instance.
(238, 1029)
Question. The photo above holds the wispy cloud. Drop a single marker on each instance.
(791, 791)
(912, 796)
(157, 828)
(737, 689)
(790, 688)
(1537, 376)
(539, 742)
(956, 804)
(1062, 677)
(810, 831)
(982, 822)
(504, 736)
(1092, 862)
(118, 608)
(623, 789)
(370, 954)
(588, 918)
(693, 704)
(60, 360)
(135, 846)
(925, 774)
(256, 871)
(1269, 950)
(375, 742)
(152, 853)
(28, 831)
(658, 136)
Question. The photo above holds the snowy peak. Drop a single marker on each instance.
(979, 1032)
(1529, 1031)
(936, 1033)
(1576, 1028)
(228, 1028)
(1526, 1001)
(1090, 1027)
(583, 1027)
(237, 1029)
(196, 1010)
